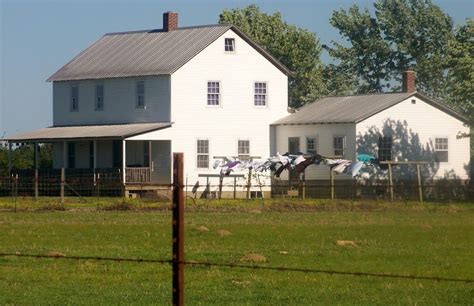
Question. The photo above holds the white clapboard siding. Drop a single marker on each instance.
(324, 134)
(237, 117)
(420, 123)
(119, 101)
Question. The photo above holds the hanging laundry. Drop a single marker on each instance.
(354, 168)
(367, 159)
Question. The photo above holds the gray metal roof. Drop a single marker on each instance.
(150, 52)
(115, 131)
(353, 109)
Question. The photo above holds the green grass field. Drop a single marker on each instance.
(401, 238)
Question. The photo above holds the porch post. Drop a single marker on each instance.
(124, 160)
(65, 161)
(150, 165)
(9, 158)
(95, 156)
(36, 154)
(36, 170)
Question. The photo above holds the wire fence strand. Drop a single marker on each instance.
(246, 266)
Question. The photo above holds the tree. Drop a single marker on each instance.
(368, 56)
(296, 48)
(402, 34)
(460, 65)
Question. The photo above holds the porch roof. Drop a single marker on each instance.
(111, 131)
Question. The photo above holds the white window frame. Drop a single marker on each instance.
(316, 144)
(232, 39)
(436, 149)
(239, 147)
(74, 104)
(99, 106)
(343, 145)
(260, 94)
(202, 154)
(138, 104)
(219, 93)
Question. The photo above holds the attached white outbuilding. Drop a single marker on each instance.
(407, 126)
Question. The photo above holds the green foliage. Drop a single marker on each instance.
(402, 34)
(297, 48)
(461, 70)
(23, 157)
(368, 57)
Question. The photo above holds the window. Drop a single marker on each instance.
(71, 155)
(385, 148)
(99, 97)
(229, 45)
(441, 150)
(293, 145)
(203, 153)
(140, 94)
(260, 94)
(311, 145)
(339, 145)
(213, 93)
(74, 98)
(243, 147)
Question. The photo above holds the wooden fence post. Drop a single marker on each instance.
(390, 181)
(331, 174)
(63, 181)
(36, 184)
(420, 188)
(249, 183)
(303, 187)
(178, 230)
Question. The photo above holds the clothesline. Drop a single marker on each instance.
(299, 162)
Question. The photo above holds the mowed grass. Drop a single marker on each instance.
(429, 240)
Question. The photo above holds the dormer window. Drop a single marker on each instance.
(229, 45)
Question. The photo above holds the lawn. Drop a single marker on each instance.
(401, 238)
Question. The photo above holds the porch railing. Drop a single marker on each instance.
(137, 175)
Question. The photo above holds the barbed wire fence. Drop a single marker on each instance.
(85, 188)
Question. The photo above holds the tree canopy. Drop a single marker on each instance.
(401, 34)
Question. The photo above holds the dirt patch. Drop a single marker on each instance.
(202, 229)
(56, 254)
(253, 257)
(345, 243)
(223, 233)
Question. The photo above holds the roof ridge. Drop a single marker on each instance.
(163, 31)
(369, 94)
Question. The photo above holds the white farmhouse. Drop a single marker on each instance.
(405, 126)
(131, 99)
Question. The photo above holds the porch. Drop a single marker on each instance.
(91, 150)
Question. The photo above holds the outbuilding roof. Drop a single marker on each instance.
(355, 108)
(149, 52)
(113, 131)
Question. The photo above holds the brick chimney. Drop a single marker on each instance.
(408, 81)
(170, 21)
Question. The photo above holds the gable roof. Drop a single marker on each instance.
(149, 52)
(354, 109)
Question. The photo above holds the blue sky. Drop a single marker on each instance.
(38, 37)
